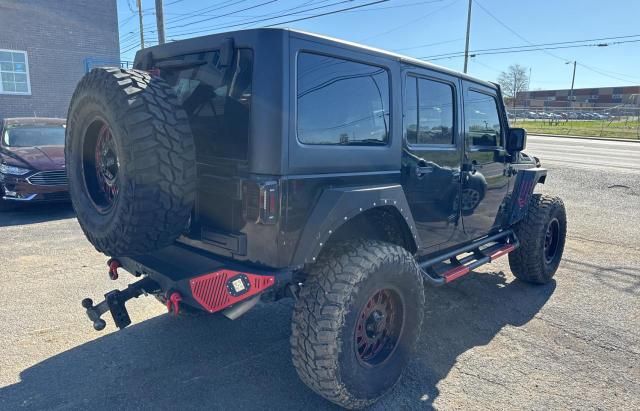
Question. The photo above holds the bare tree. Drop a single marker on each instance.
(514, 80)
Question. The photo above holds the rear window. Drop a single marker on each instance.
(33, 136)
(341, 102)
(217, 100)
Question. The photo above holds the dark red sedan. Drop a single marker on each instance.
(32, 160)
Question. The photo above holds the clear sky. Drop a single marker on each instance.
(423, 28)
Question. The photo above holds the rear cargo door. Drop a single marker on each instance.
(216, 95)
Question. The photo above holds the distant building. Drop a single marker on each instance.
(582, 97)
(45, 47)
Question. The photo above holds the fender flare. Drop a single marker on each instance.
(337, 206)
(525, 183)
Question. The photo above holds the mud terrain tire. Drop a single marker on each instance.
(130, 160)
(335, 300)
(542, 235)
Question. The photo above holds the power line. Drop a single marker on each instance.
(570, 42)
(408, 23)
(208, 30)
(398, 6)
(328, 13)
(602, 73)
(512, 30)
(473, 54)
(527, 41)
(198, 12)
(430, 44)
(222, 15)
(247, 22)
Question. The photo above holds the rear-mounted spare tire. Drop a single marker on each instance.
(130, 159)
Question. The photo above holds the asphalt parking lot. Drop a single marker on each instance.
(488, 341)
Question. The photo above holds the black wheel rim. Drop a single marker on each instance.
(551, 241)
(378, 327)
(101, 166)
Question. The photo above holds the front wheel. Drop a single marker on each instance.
(357, 321)
(542, 235)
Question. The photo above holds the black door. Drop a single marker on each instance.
(432, 154)
(485, 179)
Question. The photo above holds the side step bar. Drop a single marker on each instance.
(445, 268)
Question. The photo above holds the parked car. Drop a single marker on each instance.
(268, 163)
(32, 166)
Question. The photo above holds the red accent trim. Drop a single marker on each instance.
(211, 292)
(502, 251)
(455, 273)
(113, 268)
(173, 303)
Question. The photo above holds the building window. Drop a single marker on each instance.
(341, 102)
(14, 72)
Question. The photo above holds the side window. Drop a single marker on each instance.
(341, 102)
(428, 112)
(482, 121)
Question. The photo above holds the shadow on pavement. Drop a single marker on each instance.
(21, 214)
(214, 363)
(619, 277)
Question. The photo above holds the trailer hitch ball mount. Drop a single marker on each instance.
(114, 302)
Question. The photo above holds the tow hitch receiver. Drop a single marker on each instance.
(114, 301)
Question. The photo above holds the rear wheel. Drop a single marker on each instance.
(542, 236)
(357, 321)
(131, 161)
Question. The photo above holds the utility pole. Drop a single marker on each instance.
(573, 80)
(466, 47)
(160, 21)
(141, 25)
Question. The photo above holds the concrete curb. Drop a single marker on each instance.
(627, 140)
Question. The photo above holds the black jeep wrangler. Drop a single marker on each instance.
(263, 164)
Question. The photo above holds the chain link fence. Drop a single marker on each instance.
(613, 122)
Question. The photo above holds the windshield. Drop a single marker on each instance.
(34, 136)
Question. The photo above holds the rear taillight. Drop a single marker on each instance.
(268, 203)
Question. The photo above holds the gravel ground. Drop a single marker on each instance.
(488, 341)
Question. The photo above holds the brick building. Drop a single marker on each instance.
(582, 97)
(45, 46)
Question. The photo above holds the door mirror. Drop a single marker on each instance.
(516, 140)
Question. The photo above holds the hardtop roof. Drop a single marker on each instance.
(389, 54)
(319, 38)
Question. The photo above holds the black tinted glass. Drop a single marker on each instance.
(482, 120)
(429, 112)
(341, 102)
(34, 136)
(217, 100)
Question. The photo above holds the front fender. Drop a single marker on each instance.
(337, 206)
(526, 181)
